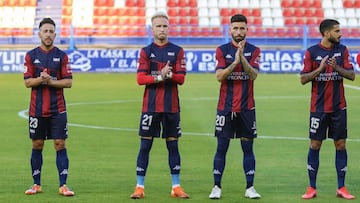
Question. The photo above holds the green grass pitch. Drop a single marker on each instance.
(104, 112)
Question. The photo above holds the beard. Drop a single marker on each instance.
(238, 39)
(334, 40)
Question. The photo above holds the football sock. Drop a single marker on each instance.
(173, 156)
(36, 162)
(220, 159)
(62, 163)
(140, 181)
(143, 156)
(341, 165)
(248, 162)
(313, 166)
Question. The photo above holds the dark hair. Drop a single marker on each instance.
(238, 18)
(46, 21)
(326, 25)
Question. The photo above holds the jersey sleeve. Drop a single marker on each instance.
(66, 71)
(220, 59)
(347, 60)
(180, 68)
(307, 66)
(142, 76)
(255, 59)
(28, 67)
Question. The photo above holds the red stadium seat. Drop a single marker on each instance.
(287, 12)
(348, 3)
(298, 12)
(141, 3)
(356, 4)
(193, 11)
(192, 3)
(286, 3)
(194, 21)
(171, 3)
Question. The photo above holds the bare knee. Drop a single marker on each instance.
(340, 144)
(38, 144)
(315, 144)
(59, 144)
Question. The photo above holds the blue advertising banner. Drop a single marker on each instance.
(125, 60)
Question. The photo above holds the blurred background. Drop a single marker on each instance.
(85, 27)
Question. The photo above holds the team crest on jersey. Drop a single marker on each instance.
(228, 56)
(318, 58)
(36, 61)
(152, 55)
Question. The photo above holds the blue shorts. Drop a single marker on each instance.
(54, 127)
(334, 124)
(236, 124)
(151, 124)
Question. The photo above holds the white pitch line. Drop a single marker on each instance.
(23, 114)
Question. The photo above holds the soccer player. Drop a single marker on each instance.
(237, 68)
(161, 69)
(47, 72)
(326, 64)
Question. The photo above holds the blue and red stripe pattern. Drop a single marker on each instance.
(327, 93)
(47, 101)
(162, 96)
(237, 91)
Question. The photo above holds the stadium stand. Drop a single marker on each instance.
(194, 18)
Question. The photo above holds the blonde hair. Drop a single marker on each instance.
(159, 14)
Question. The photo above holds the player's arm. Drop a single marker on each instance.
(306, 77)
(347, 71)
(63, 83)
(30, 79)
(252, 72)
(177, 73)
(223, 73)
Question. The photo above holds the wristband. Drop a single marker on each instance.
(159, 78)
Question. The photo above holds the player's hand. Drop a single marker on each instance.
(45, 77)
(323, 63)
(332, 62)
(241, 46)
(166, 72)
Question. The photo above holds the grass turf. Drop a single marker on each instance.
(104, 112)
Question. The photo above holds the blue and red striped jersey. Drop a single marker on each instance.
(162, 96)
(327, 91)
(237, 91)
(46, 101)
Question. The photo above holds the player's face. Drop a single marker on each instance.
(334, 35)
(47, 35)
(160, 28)
(238, 31)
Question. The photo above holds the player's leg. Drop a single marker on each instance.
(149, 128)
(37, 132)
(245, 123)
(338, 132)
(59, 133)
(317, 133)
(171, 132)
(223, 132)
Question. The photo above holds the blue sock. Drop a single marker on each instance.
(143, 160)
(174, 161)
(62, 163)
(140, 181)
(248, 162)
(341, 166)
(313, 166)
(220, 159)
(36, 162)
